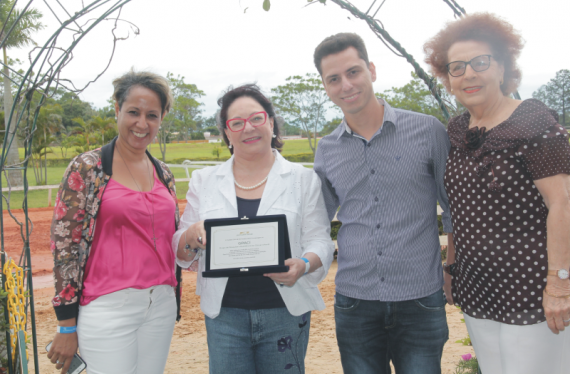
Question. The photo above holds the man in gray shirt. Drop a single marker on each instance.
(384, 167)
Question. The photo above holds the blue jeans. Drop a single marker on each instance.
(257, 341)
(410, 333)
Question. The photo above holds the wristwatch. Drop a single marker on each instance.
(562, 273)
(449, 269)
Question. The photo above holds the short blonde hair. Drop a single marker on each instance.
(153, 82)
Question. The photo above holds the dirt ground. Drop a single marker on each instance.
(189, 351)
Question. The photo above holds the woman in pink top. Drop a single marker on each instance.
(116, 211)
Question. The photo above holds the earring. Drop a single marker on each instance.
(452, 90)
(274, 136)
(230, 146)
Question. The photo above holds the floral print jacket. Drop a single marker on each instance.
(74, 219)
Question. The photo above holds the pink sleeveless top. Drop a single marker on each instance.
(123, 255)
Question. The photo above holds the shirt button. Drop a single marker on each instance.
(369, 144)
(380, 253)
(372, 171)
(376, 198)
(378, 226)
(382, 279)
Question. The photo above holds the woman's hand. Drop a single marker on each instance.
(63, 347)
(190, 237)
(296, 271)
(557, 309)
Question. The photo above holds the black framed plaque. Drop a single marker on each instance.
(246, 246)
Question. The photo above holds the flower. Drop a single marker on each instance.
(284, 343)
(79, 215)
(61, 228)
(60, 210)
(52, 246)
(68, 292)
(76, 234)
(91, 225)
(75, 182)
(475, 137)
(56, 301)
(466, 357)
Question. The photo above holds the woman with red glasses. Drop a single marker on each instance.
(257, 324)
(508, 182)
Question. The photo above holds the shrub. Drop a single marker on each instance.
(197, 136)
(335, 226)
(467, 365)
(300, 157)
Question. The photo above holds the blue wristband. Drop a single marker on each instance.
(307, 265)
(66, 330)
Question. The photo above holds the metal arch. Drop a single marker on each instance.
(43, 77)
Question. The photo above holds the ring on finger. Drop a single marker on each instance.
(200, 239)
(281, 284)
(57, 362)
(566, 320)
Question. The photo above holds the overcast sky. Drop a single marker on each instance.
(217, 43)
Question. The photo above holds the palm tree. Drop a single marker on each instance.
(85, 136)
(25, 24)
(103, 125)
(48, 123)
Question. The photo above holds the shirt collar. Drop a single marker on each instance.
(389, 116)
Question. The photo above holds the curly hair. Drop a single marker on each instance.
(252, 91)
(503, 40)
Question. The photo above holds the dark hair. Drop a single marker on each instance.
(503, 40)
(338, 43)
(253, 91)
(153, 82)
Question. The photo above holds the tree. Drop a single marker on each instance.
(85, 136)
(302, 102)
(330, 126)
(184, 112)
(416, 97)
(24, 23)
(556, 94)
(74, 107)
(48, 123)
(102, 126)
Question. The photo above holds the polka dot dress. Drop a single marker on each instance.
(498, 215)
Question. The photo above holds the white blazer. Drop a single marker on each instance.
(292, 190)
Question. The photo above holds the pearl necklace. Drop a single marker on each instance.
(252, 187)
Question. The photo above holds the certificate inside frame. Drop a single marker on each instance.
(241, 265)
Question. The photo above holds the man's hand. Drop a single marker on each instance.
(447, 288)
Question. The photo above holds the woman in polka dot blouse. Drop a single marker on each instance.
(508, 183)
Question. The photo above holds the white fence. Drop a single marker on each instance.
(187, 164)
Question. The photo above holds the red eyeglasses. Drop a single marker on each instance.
(238, 124)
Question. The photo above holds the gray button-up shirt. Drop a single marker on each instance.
(387, 189)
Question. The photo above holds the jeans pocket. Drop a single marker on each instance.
(345, 303)
(432, 303)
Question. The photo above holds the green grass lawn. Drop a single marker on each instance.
(39, 199)
(192, 150)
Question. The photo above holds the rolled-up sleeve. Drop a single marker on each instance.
(440, 151)
(315, 235)
(191, 215)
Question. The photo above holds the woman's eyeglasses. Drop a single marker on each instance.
(479, 63)
(238, 124)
